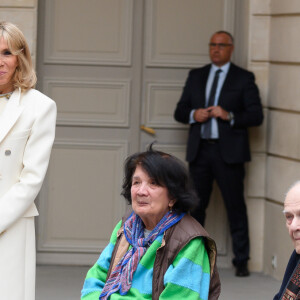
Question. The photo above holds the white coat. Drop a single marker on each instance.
(27, 129)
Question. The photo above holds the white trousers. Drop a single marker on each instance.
(18, 261)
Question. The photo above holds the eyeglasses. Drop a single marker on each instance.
(219, 45)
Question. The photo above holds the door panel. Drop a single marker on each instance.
(92, 32)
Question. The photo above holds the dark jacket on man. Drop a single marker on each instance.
(239, 95)
(291, 266)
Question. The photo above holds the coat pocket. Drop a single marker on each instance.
(31, 211)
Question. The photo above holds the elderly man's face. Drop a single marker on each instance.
(292, 215)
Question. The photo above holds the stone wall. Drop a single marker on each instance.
(274, 57)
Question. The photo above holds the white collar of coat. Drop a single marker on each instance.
(10, 114)
(15, 98)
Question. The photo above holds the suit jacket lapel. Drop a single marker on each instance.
(11, 114)
(227, 83)
(202, 83)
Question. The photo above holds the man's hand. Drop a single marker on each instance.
(217, 112)
(201, 115)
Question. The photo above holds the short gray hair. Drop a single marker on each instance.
(292, 186)
(227, 33)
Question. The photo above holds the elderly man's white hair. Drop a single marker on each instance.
(292, 186)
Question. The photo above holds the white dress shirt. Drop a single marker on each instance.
(222, 77)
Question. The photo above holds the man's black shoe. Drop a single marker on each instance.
(242, 270)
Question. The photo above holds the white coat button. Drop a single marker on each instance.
(7, 152)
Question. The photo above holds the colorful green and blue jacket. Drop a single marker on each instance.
(187, 277)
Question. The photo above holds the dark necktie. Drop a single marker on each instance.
(211, 100)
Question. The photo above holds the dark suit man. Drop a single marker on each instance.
(220, 105)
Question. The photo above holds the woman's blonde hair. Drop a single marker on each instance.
(24, 77)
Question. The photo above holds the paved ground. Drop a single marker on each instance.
(255, 287)
(65, 282)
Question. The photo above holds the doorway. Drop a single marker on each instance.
(116, 69)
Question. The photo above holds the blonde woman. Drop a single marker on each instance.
(27, 129)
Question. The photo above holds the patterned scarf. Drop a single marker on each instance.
(292, 290)
(121, 277)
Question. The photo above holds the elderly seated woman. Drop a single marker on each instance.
(157, 251)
